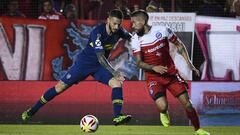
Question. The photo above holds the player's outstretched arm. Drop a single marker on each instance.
(183, 51)
(158, 69)
(105, 63)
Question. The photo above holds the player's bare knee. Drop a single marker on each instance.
(113, 83)
(60, 87)
(162, 108)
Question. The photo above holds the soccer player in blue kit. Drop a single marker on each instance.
(93, 61)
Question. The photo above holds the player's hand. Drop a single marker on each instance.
(160, 69)
(196, 71)
(119, 76)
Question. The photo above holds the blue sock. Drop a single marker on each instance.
(117, 100)
(47, 96)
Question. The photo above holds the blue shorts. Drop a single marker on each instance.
(79, 72)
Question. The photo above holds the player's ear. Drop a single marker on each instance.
(145, 22)
(108, 20)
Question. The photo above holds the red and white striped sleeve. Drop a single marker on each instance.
(171, 35)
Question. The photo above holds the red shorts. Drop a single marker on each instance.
(157, 86)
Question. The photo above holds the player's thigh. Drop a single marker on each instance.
(176, 88)
(184, 100)
(104, 76)
(75, 74)
(155, 89)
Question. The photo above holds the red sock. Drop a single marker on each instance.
(193, 117)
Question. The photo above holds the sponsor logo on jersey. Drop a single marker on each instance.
(155, 48)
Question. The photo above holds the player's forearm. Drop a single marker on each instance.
(186, 56)
(183, 51)
(144, 66)
(104, 62)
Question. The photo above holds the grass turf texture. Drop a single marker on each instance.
(112, 130)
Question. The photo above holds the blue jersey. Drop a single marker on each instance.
(100, 41)
(87, 62)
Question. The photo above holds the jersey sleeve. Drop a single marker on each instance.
(95, 40)
(135, 46)
(125, 34)
(171, 35)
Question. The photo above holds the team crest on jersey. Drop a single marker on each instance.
(151, 91)
(158, 35)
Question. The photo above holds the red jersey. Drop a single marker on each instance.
(154, 49)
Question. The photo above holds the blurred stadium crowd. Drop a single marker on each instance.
(97, 9)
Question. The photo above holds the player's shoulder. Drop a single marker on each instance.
(123, 33)
(134, 37)
(134, 40)
(163, 30)
(99, 28)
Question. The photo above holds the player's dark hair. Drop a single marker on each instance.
(142, 13)
(116, 13)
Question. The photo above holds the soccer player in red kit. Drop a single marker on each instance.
(150, 46)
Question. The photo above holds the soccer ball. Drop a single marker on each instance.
(89, 123)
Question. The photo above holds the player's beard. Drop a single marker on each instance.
(140, 32)
(111, 30)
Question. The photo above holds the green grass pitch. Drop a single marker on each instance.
(112, 130)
